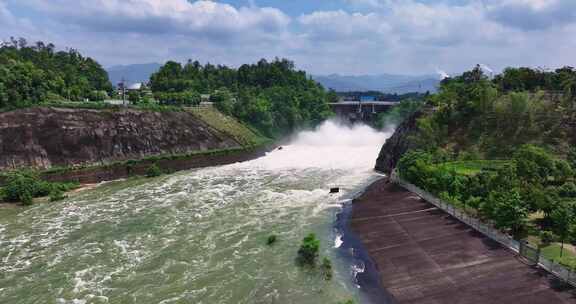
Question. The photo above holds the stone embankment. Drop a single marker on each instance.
(43, 138)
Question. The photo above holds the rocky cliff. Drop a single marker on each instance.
(398, 144)
(47, 137)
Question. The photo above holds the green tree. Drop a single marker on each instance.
(134, 97)
(508, 210)
(34, 74)
(534, 164)
(564, 218)
(270, 96)
(223, 101)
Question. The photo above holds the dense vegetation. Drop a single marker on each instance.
(503, 149)
(36, 74)
(270, 96)
(273, 97)
(24, 186)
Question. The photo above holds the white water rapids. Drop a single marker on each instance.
(196, 236)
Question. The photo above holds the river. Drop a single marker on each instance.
(196, 236)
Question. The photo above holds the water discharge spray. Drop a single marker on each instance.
(333, 145)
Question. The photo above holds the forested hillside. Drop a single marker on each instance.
(32, 74)
(503, 149)
(272, 96)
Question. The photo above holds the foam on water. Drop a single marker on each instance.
(197, 236)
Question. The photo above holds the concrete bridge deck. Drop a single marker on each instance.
(361, 110)
(364, 103)
(426, 256)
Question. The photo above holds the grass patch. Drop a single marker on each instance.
(552, 253)
(473, 167)
(228, 125)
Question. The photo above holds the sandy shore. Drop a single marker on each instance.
(423, 255)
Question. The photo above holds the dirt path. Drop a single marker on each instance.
(426, 256)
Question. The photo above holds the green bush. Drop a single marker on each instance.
(326, 269)
(26, 198)
(547, 237)
(57, 195)
(153, 171)
(308, 252)
(567, 190)
(271, 240)
(23, 186)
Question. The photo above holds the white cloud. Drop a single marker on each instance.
(532, 14)
(414, 36)
(340, 24)
(5, 15)
(11, 25)
(164, 16)
(409, 22)
(366, 3)
(365, 36)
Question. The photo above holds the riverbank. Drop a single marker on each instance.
(91, 176)
(366, 274)
(425, 256)
(138, 167)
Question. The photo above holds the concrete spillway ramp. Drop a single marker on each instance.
(426, 256)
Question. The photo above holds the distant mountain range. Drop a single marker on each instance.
(386, 83)
(133, 73)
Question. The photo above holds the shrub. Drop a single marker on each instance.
(26, 198)
(153, 171)
(23, 184)
(474, 202)
(308, 252)
(326, 268)
(567, 190)
(271, 240)
(57, 195)
(547, 237)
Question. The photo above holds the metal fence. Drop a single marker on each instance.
(526, 251)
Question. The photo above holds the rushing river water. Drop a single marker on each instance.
(197, 236)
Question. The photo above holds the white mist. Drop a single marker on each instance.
(332, 145)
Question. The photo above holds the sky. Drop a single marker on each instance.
(349, 37)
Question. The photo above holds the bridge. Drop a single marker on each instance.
(361, 110)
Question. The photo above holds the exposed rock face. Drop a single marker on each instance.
(46, 137)
(398, 144)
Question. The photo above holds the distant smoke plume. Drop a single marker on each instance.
(486, 69)
(443, 75)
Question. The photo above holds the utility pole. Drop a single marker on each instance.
(122, 86)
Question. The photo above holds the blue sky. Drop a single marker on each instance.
(321, 36)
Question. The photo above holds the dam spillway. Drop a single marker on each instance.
(361, 110)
